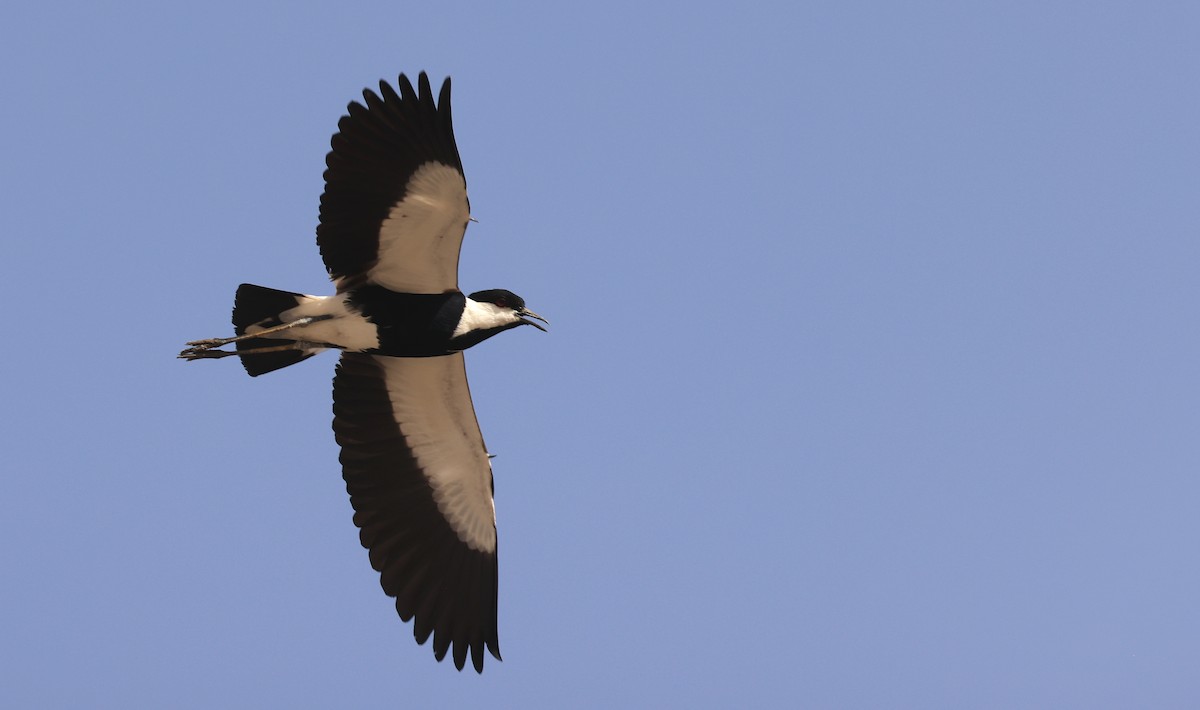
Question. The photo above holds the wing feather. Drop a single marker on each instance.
(420, 482)
(395, 206)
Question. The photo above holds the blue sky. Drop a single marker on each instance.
(872, 380)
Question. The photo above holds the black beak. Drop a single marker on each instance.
(530, 314)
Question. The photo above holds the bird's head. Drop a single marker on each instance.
(507, 306)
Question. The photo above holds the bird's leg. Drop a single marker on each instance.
(208, 343)
(198, 354)
(207, 348)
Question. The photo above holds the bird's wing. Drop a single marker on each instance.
(420, 482)
(395, 203)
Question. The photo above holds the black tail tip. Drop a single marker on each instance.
(259, 305)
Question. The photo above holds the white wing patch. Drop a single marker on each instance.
(432, 405)
(420, 240)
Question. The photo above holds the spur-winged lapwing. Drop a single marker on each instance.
(392, 220)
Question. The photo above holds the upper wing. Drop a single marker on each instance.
(395, 203)
(420, 482)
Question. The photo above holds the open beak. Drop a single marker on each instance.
(526, 313)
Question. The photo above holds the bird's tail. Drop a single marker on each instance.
(259, 305)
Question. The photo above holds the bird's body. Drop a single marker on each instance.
(393, 216)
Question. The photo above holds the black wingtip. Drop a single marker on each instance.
(423, 91)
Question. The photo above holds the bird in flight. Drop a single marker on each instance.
(419, 476)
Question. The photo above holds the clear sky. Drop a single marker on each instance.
(871, 381)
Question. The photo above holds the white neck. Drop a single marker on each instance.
(483, 316)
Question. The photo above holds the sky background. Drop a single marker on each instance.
(871, 382)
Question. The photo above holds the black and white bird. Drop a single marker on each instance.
(419, 476)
